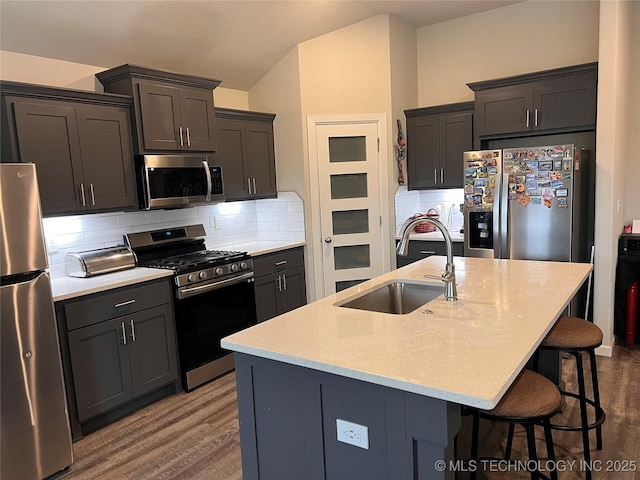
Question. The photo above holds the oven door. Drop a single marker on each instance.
(203, 319)
(169, 181)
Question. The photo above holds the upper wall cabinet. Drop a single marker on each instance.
(173, 112)
(436, 139)
(559, 100)
(79, 141)
(246, 154)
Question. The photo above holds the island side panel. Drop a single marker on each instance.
(288, 426)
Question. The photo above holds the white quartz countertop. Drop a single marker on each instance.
(71, 287)
(468, 352)
(263, 247)
(456, 236)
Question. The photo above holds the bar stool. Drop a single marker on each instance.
(573, 335)
(531, 400)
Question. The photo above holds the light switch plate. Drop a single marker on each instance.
(353, 434)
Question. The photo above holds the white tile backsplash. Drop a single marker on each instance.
(445, 201)
(225, 224)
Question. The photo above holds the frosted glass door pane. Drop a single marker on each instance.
(351, 256)
(350, 221)
(347, 149)
(351, 185)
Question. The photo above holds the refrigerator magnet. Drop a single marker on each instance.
(557, 165)
(543, 175)
(566, 165)
(566, 176)
(531, 186)
(477, 199)
(562, 192)
(533, 164)
(520, 187)
(545, 165)
(491, 182)
(536, 200)
(523, 200)
(492, 170)
(562, 203)
(557, 183)
(548, 202)
(543, 184)
(470, 172)
(480, 182)
(468, 188)
(482, 172)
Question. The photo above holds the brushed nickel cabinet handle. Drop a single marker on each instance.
(188, 138)
(254, 186)
(128, 302)
(133, 330)
(93, 196)
(535, 122)
(442, 175)
(284, 281)
(427, 252)
(124, 334)
(282, 262)
(249, 185)
(528, 113)
(181, 141)
(435, 175)
(84, 202)
(279, 283)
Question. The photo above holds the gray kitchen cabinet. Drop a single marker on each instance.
(80, 143)
(246, 153)
(436, 139)
(119, 346)
(552, 101)
(279, 283)
(420, 249)
(172, 112)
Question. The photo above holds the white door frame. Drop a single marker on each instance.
(383, 184)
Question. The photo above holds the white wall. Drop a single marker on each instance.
(632, 163)
(18, 67)
(520, 38)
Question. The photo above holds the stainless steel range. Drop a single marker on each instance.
(214, 296)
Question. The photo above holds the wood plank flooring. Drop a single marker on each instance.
(195, 435)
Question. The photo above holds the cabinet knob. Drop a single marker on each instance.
(327, 240)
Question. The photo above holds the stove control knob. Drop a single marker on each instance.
(234, 267)
(202, 275)
(191, 277)
(219, 271)
(244, 265)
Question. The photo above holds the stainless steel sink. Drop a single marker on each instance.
(396, 297)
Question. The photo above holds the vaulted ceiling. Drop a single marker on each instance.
(235, 41)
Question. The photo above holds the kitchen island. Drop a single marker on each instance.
(326, 391)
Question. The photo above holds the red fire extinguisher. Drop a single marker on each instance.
(632, 309)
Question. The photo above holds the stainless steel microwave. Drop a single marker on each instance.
(175, 181)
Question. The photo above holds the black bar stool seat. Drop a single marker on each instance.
(531, 400)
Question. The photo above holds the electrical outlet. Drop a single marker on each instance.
(52, 245)
(353, 434)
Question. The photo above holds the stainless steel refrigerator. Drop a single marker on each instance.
(36, 440)
(530, 203)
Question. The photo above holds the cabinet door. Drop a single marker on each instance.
(197, 120)
(160, 116)
(423, 152)
(261, 158)
(100, 366)
(47, 135)
(267, 293)
(294, 289)
(504, 110)
(456, 137)
(566, 103)
(232, 152)
(107, 156)
(152, 346)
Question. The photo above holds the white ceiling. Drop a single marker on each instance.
(235, 41)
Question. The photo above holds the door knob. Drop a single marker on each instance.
(327, 240)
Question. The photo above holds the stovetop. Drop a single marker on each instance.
(196, 260)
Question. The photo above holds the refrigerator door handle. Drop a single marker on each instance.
(503, 220)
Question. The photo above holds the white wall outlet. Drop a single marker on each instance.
(353, 434)
(52, 245)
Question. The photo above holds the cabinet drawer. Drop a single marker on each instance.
(118, 302)
(277, 262)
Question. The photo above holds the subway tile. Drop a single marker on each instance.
(292, 226)
(246, 237)
(297, 236)
(133, 219)
(103, 236)
(179, 214)
(281, 236)
(269, 226)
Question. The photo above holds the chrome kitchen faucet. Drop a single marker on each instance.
(449, 275)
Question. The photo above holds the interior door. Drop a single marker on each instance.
(350, 221)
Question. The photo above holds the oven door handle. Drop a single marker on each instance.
(207, 172)
(187, 292)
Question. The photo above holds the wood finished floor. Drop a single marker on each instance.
(195, 435)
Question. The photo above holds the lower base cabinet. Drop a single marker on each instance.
(279, 283)
(112, 362)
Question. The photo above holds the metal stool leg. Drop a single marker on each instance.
(583, 414)
(531, 444)
(596, 395)
(550, 449)
(475, 432)
(507, 450)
